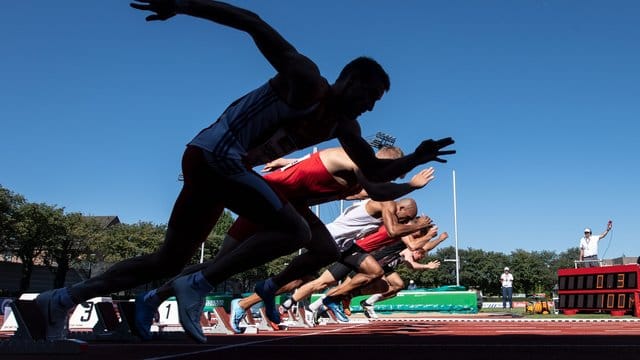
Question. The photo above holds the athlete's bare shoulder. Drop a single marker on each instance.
(336, 159)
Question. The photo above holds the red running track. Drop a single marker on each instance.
(395, 338)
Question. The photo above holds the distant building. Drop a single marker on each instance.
(623, 260)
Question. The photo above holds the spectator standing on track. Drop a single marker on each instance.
(506, 279)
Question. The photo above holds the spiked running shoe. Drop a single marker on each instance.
(144, 317)
(368, 310)
(190, 305)
(267, 292)
(56, 316)
(317, 313)
(340, 316)
(236, 316)
(287, 305)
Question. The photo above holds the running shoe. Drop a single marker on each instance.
(340, 316)
(266, 289)
(317, 313)
(368, 310)
(56, 316)
(190, 305)
(144, 315)
(287, 305)
(237, 314)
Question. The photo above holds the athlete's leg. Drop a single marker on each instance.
(369, 270)
(393, 285)
(253, 299)
(193, 216)
(325, 280)
(376, 286)
(321, 250)
(284, 230)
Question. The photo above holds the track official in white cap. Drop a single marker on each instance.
(589, 246)
(506, 279)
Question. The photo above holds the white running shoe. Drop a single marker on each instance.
(368, 310)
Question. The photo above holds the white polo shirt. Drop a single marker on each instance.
(506, 279)
(589, 246)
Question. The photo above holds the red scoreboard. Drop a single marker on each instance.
(613, 289)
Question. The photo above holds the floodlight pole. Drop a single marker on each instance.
(381, 140)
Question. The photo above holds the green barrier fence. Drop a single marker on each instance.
(448, 299)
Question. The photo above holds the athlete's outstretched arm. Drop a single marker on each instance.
(390, 190)
(302, 80)
(417, 241)
(394, 227)
(382, 170)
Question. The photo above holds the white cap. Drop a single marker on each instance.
(587, 230)
(410, 281)
(506, 268)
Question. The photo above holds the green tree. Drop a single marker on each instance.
(124, 241)
(73, 247)
(531, 271)
(481, 269)
(9, 205)
(36, 226)
(565, 260)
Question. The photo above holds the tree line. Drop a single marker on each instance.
(39, 233)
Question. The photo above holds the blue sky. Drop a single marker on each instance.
(541, 97)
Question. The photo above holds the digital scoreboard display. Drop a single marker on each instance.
(626, 280)
(599, 288)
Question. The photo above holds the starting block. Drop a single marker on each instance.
(218, 321)
(84, 316)
(261, 324)
(168, 325)
(109, 325)
(298, 317)
(30, 334)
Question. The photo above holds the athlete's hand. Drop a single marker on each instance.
(164, 9)
(433, 264)
(422, 178)
(433, 231)
(431, 150)
(276, 164)
(423, 221)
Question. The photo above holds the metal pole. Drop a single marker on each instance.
(455, 229)
(202, 253)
